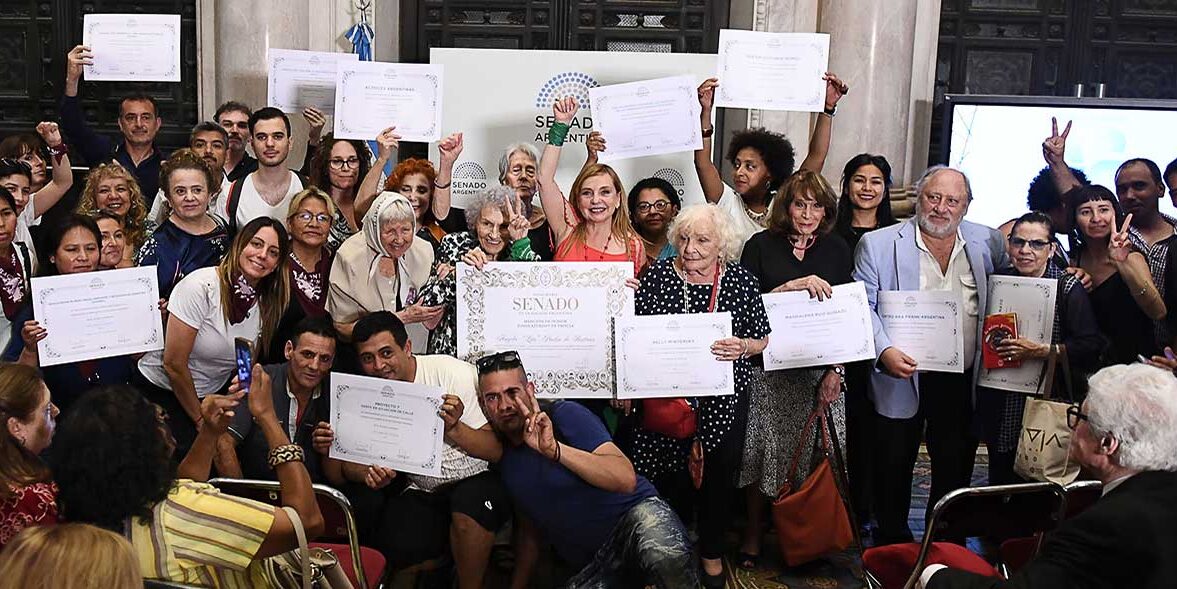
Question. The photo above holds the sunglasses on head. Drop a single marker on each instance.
(498, 361)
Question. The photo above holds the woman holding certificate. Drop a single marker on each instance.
(111, 188)
(594, 226)
(798, 252)
(703, 278)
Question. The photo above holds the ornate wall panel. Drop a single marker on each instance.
(1133, 48)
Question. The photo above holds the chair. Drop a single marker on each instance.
(158, 584)
(1017, 552)
(1002, 511)
(364, 566)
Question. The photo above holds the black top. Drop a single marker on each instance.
(245, 167)
(1128, 330)
(252, 449)
(851, 234)
(769, 256)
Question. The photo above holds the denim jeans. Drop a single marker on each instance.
(649, 546)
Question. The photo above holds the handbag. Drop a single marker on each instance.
(812, 520)
(303, 568)
(670, 417)
(1044, 443)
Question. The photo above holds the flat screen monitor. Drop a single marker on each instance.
(997, 142)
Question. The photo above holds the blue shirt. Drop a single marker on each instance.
(572, 514)
(97, 149)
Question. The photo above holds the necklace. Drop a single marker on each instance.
(604, 250)
(806, 240)
(757, 218)
(716, 282)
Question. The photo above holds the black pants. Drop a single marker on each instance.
(943, 420)
(712, 503)
(1001, 468)
(860, 440)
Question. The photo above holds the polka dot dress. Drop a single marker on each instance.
(661, 293)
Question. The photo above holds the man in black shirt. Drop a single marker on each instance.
(234, 117)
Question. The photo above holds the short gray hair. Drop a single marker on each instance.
(505, 159)
(400, 210)
(1137, 404)
(725, 229)
(494, 196)
(932, 171)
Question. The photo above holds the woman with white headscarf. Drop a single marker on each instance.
(382, 268)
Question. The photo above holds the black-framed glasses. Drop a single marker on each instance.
(498, 361)
(1074, 416)
(658, 205)
(1035, 244)
(338, 164)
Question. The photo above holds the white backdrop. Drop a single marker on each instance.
(496, 97)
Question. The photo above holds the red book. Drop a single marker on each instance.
(998, 327)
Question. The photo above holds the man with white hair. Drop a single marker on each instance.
(936, 251)
(1125, 434)
(517, 169)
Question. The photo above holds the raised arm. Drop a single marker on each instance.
(606, 467)
(387, 142)
(556, 207)
(1054, 150)
(62, 177)
(316, 120)
(93, 147)
(217, 412)
(593, 145)
(819, 143)
(450, 148)
(709, 177)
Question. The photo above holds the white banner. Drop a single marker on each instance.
(497, 97)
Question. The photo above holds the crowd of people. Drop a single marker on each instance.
(338, 267)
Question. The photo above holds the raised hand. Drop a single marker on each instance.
(595, 144)
(707, 94)
(387, 141)
(50, 133)
(1055, 147)
(517, 224)
(261, 402)
(450, 148)
(564, 109)
(1119, 246)
(316, 120)
(537, 431)
(78, 57)
(835, 89)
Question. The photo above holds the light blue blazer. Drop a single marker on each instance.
(888, 259)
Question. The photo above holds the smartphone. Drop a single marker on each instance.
(244, 354)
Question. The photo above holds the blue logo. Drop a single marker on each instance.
(575, 84)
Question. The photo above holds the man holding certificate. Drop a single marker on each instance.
(935, 254)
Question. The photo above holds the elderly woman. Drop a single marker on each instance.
(70, 556)
(310, 222)
(111, 188)
(338, 167)
(1076, 333)
(704, 278)
(383, 268)
(518, 165)
(798, 252)
(23, 171)
(28, 496)
(500, 233)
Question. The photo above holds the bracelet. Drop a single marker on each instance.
(708, 132)
(557, 452)
(744, 353)
(58, 150)
(557, 133)
(441, 186)
(831, 111)
(285, 453)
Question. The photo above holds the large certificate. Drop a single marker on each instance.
(132, 47)
(557, 315)
(772, 71)
(301, 79)
(387, 423)
(670, 356)
(647, 118)
(1033, 300)
(926, 325)
(372, 96)
(94, 315)
(808, 332)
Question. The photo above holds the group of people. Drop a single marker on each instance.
(336, 267)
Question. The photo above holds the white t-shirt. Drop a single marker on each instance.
(28, 218)
(458, 378)
(216, 207)
(196, 301)
(251, 205)
(745, 227)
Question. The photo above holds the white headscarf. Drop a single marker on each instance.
(371, 223)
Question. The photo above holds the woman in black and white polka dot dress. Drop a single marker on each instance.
(700, 280)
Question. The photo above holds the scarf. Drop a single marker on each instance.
(241, 300)
(308, 285)
(12, 284)
(371, 222)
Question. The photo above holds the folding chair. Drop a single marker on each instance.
(1018, 552)
(1002, 511)
(364, 566)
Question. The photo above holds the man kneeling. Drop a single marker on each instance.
(571, 484)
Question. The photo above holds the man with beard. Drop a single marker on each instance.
(139, 122)
(267, 191)
(209, 141)
(234, 117)
(517, 169)
(937, 250)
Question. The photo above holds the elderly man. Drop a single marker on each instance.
(575, 487)
(517, 169)
(937, 250)
(1126, 436)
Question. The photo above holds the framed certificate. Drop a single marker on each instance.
(772, 71)
(132, 47)
(387, 423)
(1033, 301)
(372, 96)
(670, 356)
(926, 325)
(301, 79)
(809, 332)
(557, 315)
(647, 118)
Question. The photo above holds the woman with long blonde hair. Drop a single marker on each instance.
(70, 556)
(112, 188)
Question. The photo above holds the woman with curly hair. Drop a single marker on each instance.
(338, 167)
(113, 460)
(761, 160)
(111, 188)
(27, 493)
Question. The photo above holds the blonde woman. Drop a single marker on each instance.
(111, 188)
(70, 556)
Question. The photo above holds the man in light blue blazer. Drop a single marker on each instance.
(937, 250)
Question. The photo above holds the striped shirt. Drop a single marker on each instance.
(202, 537)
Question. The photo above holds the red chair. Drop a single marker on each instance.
(364, 566)
(1002, 511)
(1018, 552)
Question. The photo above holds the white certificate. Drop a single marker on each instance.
(926, 325)
(372, 96)
(772, 71)
(652, 117)
(301, 79)
(132, 47)
(1033, 299)
(808, 332)
(557, 315)
(670, 356)
(94, 315)
(387, 423)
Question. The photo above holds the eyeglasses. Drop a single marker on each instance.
(935, 199)
(499, 361)
(338, 164)
(658, 205)
(1035, 244)
(1074, 416)
(306, 217)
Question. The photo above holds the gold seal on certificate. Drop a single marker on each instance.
(387, 423)
(926, 325)
(557, 315)
(809, 332)
(1032, 300)
(670, 356)
(132, 47)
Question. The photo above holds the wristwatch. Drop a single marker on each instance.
(708, 132)
(831, 111)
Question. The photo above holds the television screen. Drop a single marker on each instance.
(997, 142)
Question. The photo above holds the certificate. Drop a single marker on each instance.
(132, 47)
(387, 423)
(807, 332)
(772, 71)
(557, 315)
(94, 315)
(1033, 300)
(372, 96)
(647, 118)
(926, 325)
(301, 79)
(670, 356)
